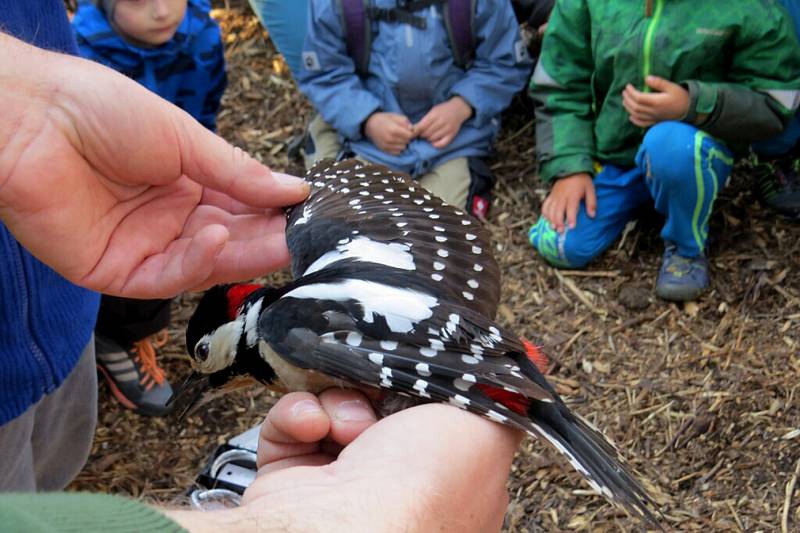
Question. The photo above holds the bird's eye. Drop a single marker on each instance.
(201, 352)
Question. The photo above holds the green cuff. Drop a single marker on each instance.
(80, 512)
(702, 101)
(566, 165)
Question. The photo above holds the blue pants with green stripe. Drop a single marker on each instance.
(679, 171)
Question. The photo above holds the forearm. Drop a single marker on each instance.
(561, 86)
(733, 112)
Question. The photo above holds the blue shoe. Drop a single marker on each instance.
(681, 278)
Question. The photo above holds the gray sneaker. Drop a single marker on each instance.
(681, 278)
(133, 375)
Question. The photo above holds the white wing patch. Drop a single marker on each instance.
(402, 308)
(394, 254)
(306, 215)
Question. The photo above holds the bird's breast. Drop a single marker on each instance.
(291, 378)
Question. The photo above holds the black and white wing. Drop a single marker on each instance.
(369, 213)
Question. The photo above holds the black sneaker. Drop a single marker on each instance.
(133, 375)
(778, 184)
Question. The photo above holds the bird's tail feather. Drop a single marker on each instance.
(593, 456)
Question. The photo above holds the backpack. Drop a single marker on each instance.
(358, 15)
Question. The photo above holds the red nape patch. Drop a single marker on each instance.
(537, 358)
(236, 296)
(513, 400)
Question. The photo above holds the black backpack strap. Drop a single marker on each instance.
(458, 19)
(357, 31)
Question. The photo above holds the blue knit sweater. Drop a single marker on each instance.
(45, 321)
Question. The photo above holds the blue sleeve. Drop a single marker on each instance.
(286, 21)
(501, 66)
(328, 75)
(218, 80)
(213, 57)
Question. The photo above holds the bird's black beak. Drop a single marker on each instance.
(189, 394)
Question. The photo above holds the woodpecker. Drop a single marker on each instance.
(393, 289)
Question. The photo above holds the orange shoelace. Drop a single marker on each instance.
(145, 351)
(160, 339)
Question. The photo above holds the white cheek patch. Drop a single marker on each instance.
(222, 345)
(395, 255)
(402, 308)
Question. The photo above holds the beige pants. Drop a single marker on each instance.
(45, 447)
(449, 181)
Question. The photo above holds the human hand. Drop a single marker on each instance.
(120, 191)
(391, 132)
(303, 429)
(428, 468)
(565, 199)
(669, 102)
(540, 31)
(441, 124)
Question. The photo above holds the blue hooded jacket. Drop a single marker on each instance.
(188, 70)
(410, 71)
(45, 321)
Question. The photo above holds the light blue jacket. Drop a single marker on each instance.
(410, 71)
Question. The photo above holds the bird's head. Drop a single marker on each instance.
(216, 328)
(222, 343)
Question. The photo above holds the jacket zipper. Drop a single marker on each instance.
(649, 37)
(36, 351)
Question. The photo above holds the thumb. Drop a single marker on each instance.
(658, 84)
(401, 120)
(210, 161)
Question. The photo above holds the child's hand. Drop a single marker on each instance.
(565, 199)
(390, 132)
(440, 125)
(669, 102)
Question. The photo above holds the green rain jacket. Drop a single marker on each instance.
(739, 60)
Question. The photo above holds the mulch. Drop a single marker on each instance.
(703, 398)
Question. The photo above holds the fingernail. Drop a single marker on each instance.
(305, 408)
(287, 179)
(353, 411)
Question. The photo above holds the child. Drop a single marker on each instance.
(173, 48)
(642, 103)
(411, 106)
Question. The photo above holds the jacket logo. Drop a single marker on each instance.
(521, 52)
(712, 32)
(311, 61)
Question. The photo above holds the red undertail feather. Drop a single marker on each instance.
(513, 400)
(537, 358)
(236, 296)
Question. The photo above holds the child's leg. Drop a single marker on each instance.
(449, 181)
(324, 142)
(684, 170)
(620, 193)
